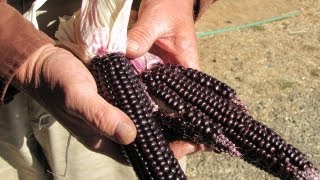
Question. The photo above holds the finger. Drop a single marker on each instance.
(142, 35)
(182, 48)
(186, 52)
(109, 120)
(183, 148)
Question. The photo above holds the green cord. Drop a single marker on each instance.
(258, 23)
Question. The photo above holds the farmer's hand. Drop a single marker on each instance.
(167, 27)
(64, 86)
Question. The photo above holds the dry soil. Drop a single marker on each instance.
(275, 69)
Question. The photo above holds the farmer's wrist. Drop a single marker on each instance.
(30, 69)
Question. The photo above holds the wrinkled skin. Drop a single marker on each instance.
(64, 86)
(171, 36)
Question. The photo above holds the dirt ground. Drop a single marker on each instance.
(275, 69)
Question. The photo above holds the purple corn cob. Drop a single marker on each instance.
(149, 154)
(202, 131)
(201, 107)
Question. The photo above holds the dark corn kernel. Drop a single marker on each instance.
(150, 152)
(213, 115)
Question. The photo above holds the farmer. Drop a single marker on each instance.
(80, 144)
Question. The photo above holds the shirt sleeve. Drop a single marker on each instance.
(200, 6)
(18, 40)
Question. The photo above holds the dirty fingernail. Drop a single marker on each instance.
(124, 133)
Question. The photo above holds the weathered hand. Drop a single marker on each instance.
(167, 27)
(64, 86)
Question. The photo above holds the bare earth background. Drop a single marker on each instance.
(275, 69)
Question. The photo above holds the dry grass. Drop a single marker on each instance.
(275, 68)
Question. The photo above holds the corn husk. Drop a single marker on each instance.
(98, 28)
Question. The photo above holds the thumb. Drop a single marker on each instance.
(142, 36)
(109, 120)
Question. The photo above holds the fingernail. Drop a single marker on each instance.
(132, 46)
(197, 67)
(194, 66)
(124, 133)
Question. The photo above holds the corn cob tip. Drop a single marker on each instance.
(208, 111)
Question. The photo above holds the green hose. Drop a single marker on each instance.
(258, 23)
